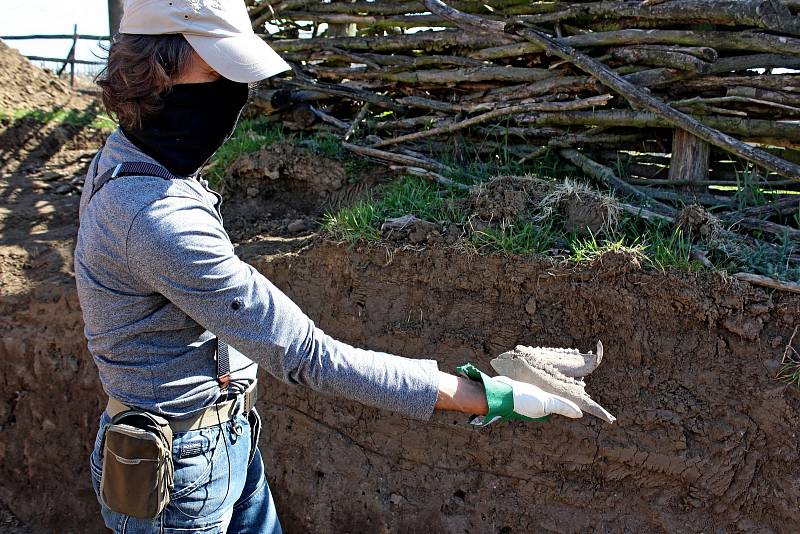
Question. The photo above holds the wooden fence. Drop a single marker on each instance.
(70, 60)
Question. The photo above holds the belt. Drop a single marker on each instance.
(221, 412)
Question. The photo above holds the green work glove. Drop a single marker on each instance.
(510, 400)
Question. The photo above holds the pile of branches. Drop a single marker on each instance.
(668, 102)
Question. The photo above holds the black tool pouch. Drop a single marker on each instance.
(137, 476)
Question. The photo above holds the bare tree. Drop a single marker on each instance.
(114, 16)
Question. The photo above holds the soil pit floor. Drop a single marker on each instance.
(707, 439)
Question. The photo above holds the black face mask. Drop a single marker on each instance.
(194, 121)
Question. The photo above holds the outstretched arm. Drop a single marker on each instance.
(178, 248)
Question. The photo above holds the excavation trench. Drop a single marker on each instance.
(706, 437)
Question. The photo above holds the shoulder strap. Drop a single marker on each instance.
(144, 168)
(223, 364)
(134, 168)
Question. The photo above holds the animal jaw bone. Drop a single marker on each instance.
(557, 371)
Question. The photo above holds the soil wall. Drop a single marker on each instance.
(50, 399)
(706, 440)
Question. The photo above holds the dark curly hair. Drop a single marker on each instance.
(139, 69)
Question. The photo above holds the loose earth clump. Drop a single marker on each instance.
(505, 199)
(586, 211)
(284, 165)
(697, 223)
(283, 189)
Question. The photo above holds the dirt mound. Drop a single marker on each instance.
(44, 123)
(47, 138)
(296, 168)
(507, 199)
(694, 220)
(503, 200)
(284, 189)
(27, 86)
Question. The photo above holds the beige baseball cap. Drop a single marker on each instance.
(219, 31)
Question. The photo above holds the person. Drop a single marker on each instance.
(176, 323)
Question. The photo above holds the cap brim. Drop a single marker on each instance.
(241, 58)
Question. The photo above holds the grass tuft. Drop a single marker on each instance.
(671, 249)
(519, 238)
(409, 195)
(412, 195)
(588, 250)
(790, 363)
(354, 223)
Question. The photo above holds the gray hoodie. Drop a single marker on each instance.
(158, 279)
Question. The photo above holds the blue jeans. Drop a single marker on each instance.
(220, 484)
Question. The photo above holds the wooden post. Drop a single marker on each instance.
(690, 158)
(343, 30)
(114, 16)
(71, 57)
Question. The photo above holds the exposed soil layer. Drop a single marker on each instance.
(48, 384)
(706, 440)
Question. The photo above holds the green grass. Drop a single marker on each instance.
(790, 372)
(470, 169)
(90, 117)
(327, 145)
(654, 245)
(587, 250)
(762, 259)
(354, 223)
(790, 363)
(670, 249)
(520, 238)
(750, 189)
(409, 195)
